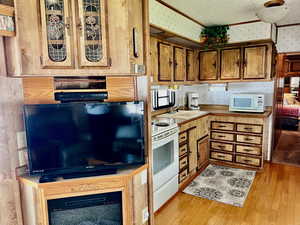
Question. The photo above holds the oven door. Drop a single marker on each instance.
(165, 160)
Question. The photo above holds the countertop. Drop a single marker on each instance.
(185, 116)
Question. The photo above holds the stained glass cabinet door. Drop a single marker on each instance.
(92, 30)
(56, 33)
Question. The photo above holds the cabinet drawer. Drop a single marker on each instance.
(183, 175)
(248, 149)
(221, 156)
(222, 136)
(248, 160)
(183, 162)
(221, 146)
(182, 137)
(249, 128)
(183, 150)
(222, 126)
(249, 139)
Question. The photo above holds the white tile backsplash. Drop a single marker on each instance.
(218, 94)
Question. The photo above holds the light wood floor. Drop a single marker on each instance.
(274, 199)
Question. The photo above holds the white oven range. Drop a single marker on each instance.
(165, 161)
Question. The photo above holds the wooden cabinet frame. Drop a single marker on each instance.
(67, 23)
(83, 62)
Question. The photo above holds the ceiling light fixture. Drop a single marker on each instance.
(272, 11)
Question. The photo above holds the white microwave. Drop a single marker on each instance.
(247, 103)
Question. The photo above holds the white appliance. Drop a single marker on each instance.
(193, 101)
(165, 161)
(247, 102)
(163, 98)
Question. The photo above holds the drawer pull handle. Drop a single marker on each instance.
(222, 126)
(248, 128)
(184, 163)
(248, 139)
(247, 160)
(221, 136)
(221, 146)
(248, 150)
(182, 138)
(221, 156)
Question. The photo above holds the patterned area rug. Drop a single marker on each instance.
(222, 184)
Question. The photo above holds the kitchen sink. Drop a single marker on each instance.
(184, 114)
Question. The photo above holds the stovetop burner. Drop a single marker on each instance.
(162, 124)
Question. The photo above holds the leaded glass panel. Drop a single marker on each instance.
(92, 30)
(56, 30)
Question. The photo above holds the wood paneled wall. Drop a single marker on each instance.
(10, 123)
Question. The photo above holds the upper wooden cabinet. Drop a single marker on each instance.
(80, 37)
(190, 65)
(208, 65)
(165, 62)
(179, 64)
(255, 62)
(230, 64)
(240, 62)
(171, 63)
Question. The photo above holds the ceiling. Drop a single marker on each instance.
(219, 12)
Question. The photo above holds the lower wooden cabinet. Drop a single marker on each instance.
(203, 152)
(37, 197)
(221, 156)
(240, 144)
(193, 147)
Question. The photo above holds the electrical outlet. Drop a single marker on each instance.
(145, 215)
(22, 158)
(21, 140)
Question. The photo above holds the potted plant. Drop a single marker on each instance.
(214, 36)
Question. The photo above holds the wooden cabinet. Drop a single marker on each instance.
(179, 64)
(239, 143)
(203, 152)
(238, 62)
(208, 65)
(171, 63)
(36, 197)
(230, 64)
(165, 62)
(80, 37)
(193, 147)
(255, 62)
(190, 65)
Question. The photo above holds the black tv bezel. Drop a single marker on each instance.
(79, 169)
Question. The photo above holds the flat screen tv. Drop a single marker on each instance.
(84, 137)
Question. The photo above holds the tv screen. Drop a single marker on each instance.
(77, 137)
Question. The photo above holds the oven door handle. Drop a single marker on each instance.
(159, 143)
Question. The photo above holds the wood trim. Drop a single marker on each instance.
(288, 25)
(180, 12)
(173, 34)
(246, 22)
(6, 10)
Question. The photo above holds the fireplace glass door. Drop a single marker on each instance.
(99, 209)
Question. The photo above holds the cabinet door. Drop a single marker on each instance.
(165, 62)
(192, 150)
(92, 33)
(208, 65)
(56, 33)
(190, 72)
(179, 64)
(203, 152)
(255, 62)
(230, 64)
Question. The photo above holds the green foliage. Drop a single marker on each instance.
(216, 36)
